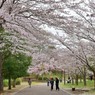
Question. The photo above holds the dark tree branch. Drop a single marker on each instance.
(2, 3)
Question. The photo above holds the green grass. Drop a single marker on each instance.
(35, 83)
(90, 84)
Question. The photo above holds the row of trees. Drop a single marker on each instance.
(75, 19)
(25, 21)
(13, 64)
(19, 29)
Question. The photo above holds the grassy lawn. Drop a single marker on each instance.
(90, 86)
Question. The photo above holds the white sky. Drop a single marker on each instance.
(53, 30)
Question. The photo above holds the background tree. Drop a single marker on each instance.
(15, 66)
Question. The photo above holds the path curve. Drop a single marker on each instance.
(42, 89)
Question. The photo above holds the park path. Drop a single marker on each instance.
(42, 89)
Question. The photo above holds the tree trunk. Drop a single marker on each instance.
(80, 80)
(9, 82)
(84, 76)
(72, 80)
(94, 79)
(76, 79)
(64, 78)
(1, 63)
(1, 77)
(61, 76)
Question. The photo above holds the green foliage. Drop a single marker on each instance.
(1, 30)
(18, 81)
(46, 76)
(57, 73)
(40, 78)
(16, 65)
(43, 78)
(5, 83)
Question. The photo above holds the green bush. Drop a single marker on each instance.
(5, 83)
(39, 78)
(42, 78)
(45, 78)
(18, 81)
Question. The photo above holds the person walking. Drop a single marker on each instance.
(48, 81)
(52, 83)
(57, 83)
(29, 82)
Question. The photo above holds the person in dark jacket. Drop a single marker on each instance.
(29, 82)
(57, 83)
(52, 83)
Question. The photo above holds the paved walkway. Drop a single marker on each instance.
(42, 89)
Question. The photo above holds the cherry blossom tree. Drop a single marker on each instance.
(25, 21)
(78, 24)
(21, 20)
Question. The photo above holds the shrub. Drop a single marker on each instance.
(5, 83)
(45, 78)
(18, 81)
(39, 78)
